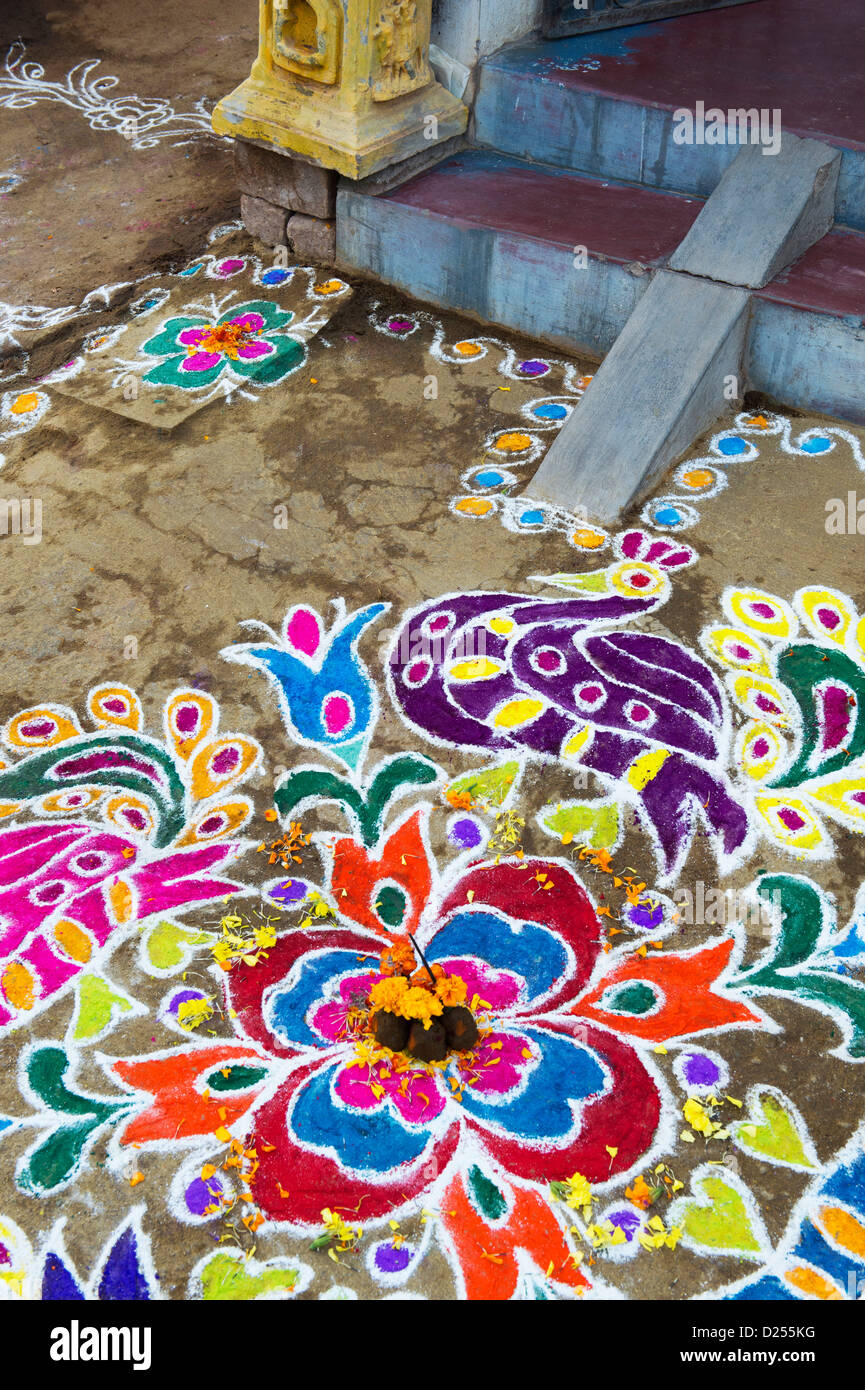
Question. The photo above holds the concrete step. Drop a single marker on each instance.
(498, 238)
(808, 330)
(602, 104)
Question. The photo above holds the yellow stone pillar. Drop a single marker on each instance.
(345, 84)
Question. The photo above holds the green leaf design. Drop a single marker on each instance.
(407, 770)
(595, 582)
(802, 667)
(635, 999)
(487, 1196)
(98, 1002)
(594, 822)
(171, 373)
(775, 1131)
(288, 354)
(228, 1278)
(318, 784)
(169, 947)
(718, 1219)
(366, 808)
(274, 317)
(802, 921)
(165, 341)
(55, 1161)
(834, 993)
(130, 757)
(492, 785)
(801, 918)
(238, 1078)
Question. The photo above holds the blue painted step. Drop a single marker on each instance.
(495, 237)
(500, 239)
(602, 104)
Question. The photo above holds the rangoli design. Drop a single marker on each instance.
(383, 1032)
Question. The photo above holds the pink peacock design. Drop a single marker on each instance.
(124, 825)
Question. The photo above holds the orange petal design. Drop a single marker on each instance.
(844, 1230)
(403, 861)
(229, 817)
(71, 801)
(808, 1281)
(190, 715)
(121, 900)
(74, 941)
(42, 726)
(179, 1110)
(115, 704)
(19, 985)
(488, 1256)
(685, 981)
(218, 765)
(131, 814)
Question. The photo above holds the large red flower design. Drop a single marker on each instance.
(544, 1094)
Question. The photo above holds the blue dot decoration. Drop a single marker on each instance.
(532, 518)
(191, 269)
(489, 478)
(274, 277)
(550, 410)
(668, 516)
(818, 445)
(732, 445)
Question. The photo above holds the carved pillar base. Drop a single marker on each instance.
(343, 83)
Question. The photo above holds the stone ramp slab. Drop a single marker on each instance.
(661, 385)
(768, 209)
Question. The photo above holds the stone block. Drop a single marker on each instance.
(765, 213)
(312, 239)
(662, 384)
(289, 183)
(263, 220)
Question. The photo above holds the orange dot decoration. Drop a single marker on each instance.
(513, 442)
(698, 478)
(588, 538)
(473, 506)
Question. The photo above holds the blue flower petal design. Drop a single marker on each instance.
(366, 1140)
(852, 942)
(566, 1074)
(123, 1278)
(526, 949)
(303, 686)
(767, 1289)
(286, 1011)
(58, 1282)
(813, 1249)
(848, 1184)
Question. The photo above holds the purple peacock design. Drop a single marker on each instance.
(557, 679)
